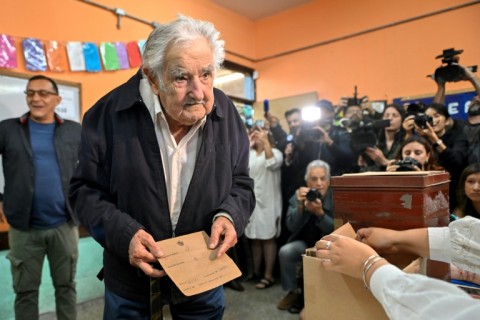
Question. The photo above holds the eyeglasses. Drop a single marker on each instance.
(41, 93)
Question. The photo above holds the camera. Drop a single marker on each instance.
(450, 72)
(364, 134)
(313, 194)
(308, 131)
(407, 164)
(422, 119)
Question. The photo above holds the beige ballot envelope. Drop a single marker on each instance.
(193, 267)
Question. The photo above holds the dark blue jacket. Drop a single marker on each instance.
(19, 171)
(119, 186)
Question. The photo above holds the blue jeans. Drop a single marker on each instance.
(290, 257)
(209, 305)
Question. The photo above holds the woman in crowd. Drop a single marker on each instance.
(409, 296)
(468, 192)
(264, 224)
(389, 141)
(450, 146)
(419, 149)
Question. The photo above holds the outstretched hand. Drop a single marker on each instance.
(143, 252)
(223, 235)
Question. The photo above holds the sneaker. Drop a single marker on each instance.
(289, 300)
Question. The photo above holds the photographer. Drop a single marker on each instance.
(318, 139)
(389, 140)
(309, 217)
(415, 154)
(450, 146)
(471, 127)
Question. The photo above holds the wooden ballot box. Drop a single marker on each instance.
(394, 200)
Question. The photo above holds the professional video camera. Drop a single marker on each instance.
(363, 134)
(313, 194)
(450, 72)
(421, 119)
(407, 164)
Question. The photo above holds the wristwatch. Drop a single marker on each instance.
(438, 143)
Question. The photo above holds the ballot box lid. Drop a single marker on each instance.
(406, 179)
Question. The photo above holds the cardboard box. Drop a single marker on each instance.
(331, 295)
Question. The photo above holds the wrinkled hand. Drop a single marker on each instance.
(315, 207)
(223, 234)
(345, 255)
(382, 240)
(143, 252)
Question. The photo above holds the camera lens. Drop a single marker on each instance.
(313, 194)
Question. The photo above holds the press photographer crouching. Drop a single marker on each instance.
(415, 154)
(450, 146)
(309, 216)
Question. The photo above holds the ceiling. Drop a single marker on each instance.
(257, 9)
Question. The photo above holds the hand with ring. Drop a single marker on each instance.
(343, 254)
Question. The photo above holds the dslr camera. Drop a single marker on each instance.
(364, 134)
(308, 131)
(313, 194)
(407, 164)
(450, 72)
(420, 119)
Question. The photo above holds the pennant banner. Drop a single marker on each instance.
(122, 55)
(75, 56)
(134, 57)
(56, 56)
(109, 56)
(8, 52)
(92, 57)
(34, 55)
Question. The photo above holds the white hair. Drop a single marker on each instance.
(317, 164)
(180, 31)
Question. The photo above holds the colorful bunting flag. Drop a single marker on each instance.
(134, 57)
(141, 45)
(34, 55)
(92, 57)
(75, 56)
(8, 52)
(122, 55)
(56, 56)
(109, 56)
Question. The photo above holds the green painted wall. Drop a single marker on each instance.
(88, 286)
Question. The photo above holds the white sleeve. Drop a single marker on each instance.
(414, 296)
(459, 244)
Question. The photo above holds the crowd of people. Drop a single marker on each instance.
(166, 154)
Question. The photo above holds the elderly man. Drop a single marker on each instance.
(309, 216)
(163, 155)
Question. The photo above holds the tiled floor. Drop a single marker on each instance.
(250, 304)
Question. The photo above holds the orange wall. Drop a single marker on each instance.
(72, 20)
(384, 64)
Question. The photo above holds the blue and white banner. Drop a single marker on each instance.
(457, 103)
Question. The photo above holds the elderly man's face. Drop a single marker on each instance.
(319, 180)
(188, 77)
